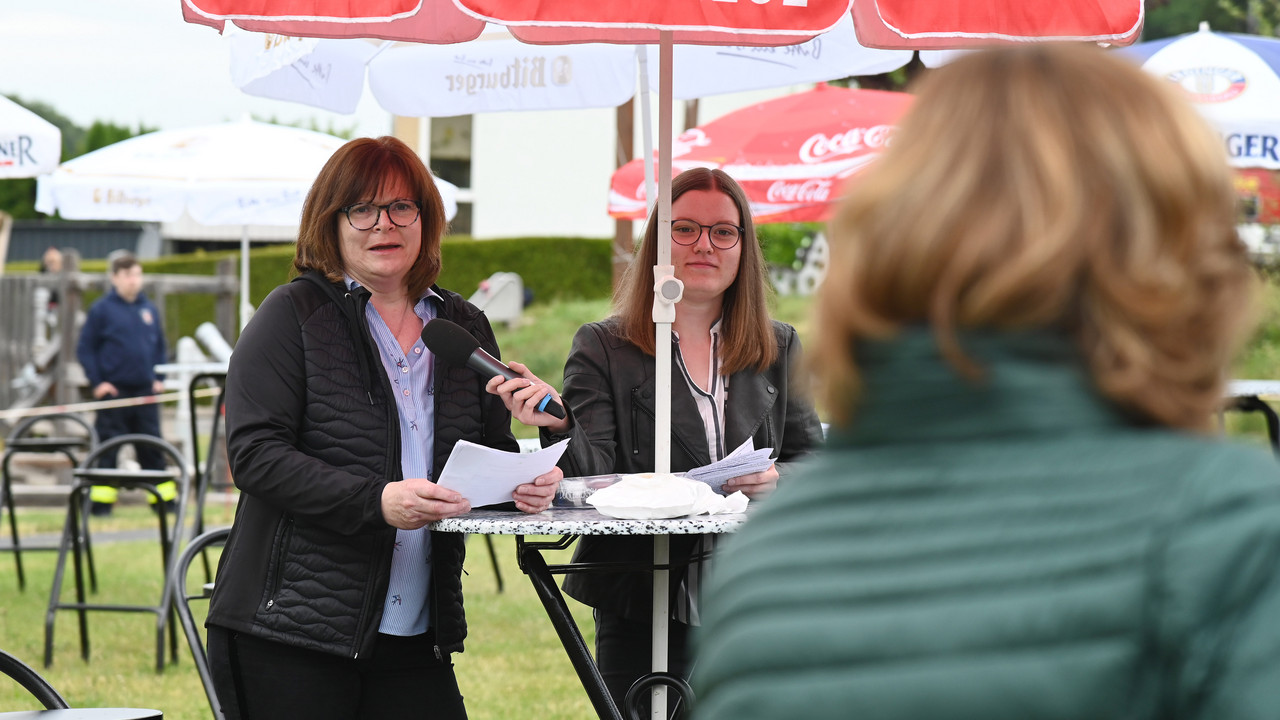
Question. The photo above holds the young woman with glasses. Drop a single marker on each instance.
(733, 379)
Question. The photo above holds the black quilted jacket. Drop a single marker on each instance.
(312, 441)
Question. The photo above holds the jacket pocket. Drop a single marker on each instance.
(275, 572)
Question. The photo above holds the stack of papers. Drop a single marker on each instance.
(486, 476)
(742, 461)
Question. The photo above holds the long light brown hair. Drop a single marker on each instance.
(354, 174)
(745, 324)
(1049, 186)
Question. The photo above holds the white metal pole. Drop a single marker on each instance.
(646, 123)
(662, 357)
(245, 308)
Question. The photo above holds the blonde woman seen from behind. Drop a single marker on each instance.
(1021, 511)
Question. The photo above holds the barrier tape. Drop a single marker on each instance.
(103, 404)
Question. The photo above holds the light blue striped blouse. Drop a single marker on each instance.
(406, 607)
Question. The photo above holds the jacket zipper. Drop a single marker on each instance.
(391, 459)
(282, 543)
(635, 421)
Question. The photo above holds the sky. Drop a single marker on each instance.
(138, 61)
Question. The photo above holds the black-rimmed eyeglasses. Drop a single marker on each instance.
(363, 216)
(722, 235)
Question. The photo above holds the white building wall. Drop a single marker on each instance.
(547, 173)
(542, 173)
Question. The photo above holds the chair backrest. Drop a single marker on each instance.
(28, 678)
(27, 426)
(113, 445)
(182, 603)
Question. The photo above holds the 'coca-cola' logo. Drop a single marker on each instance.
(820, 148)
(810, 191)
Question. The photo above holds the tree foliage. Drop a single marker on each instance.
(1166, 18)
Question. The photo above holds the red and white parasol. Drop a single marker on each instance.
(794, 155)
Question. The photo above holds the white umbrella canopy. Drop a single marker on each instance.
(1232, 79)
(495, 72)
(29, 144)
(702, 70)
(238, 173)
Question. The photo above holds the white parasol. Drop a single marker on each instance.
(29, 144)
(239, 173)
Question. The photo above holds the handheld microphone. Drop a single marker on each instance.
(458, 347)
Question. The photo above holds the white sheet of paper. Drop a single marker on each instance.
(487, 477)
(744, 460)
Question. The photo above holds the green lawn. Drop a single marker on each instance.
(514, 666)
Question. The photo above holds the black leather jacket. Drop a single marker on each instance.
(609, 392)
(312, 440)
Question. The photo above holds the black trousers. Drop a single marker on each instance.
(260, 679)
(624, 654)
(143, 419)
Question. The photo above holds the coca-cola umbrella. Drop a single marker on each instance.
(794, 155)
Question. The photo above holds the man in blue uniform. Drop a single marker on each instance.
(121, 343)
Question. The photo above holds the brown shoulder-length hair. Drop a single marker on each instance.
(1049, 186)
(354, 174)
(745, 324)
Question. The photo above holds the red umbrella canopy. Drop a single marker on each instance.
(727, 22)
(795, 155)
(425, 21)
(890, 24)
(944, 24)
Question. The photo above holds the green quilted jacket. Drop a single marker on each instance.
(1009, 549)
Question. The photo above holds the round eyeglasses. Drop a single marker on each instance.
(722, 235)
(363, 216)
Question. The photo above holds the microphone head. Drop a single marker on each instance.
(449, 341)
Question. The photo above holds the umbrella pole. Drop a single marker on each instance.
(667, 292)
(245, 308)
(646, 122)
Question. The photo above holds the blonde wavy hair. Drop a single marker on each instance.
(1048, 186)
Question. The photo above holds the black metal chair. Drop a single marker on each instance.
(204, 470)
(24, 438)
(182, 602)
(1253, 403)
(86, 476)
(28, 678)
(638, 692)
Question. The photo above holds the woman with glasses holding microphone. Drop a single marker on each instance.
(733, 379)
(333, 600)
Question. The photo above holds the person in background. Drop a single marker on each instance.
(1022, 511)
(51, 263)
(333, 600)
(121, 342)
(734, 378)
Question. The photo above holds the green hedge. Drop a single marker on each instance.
(553, 268)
